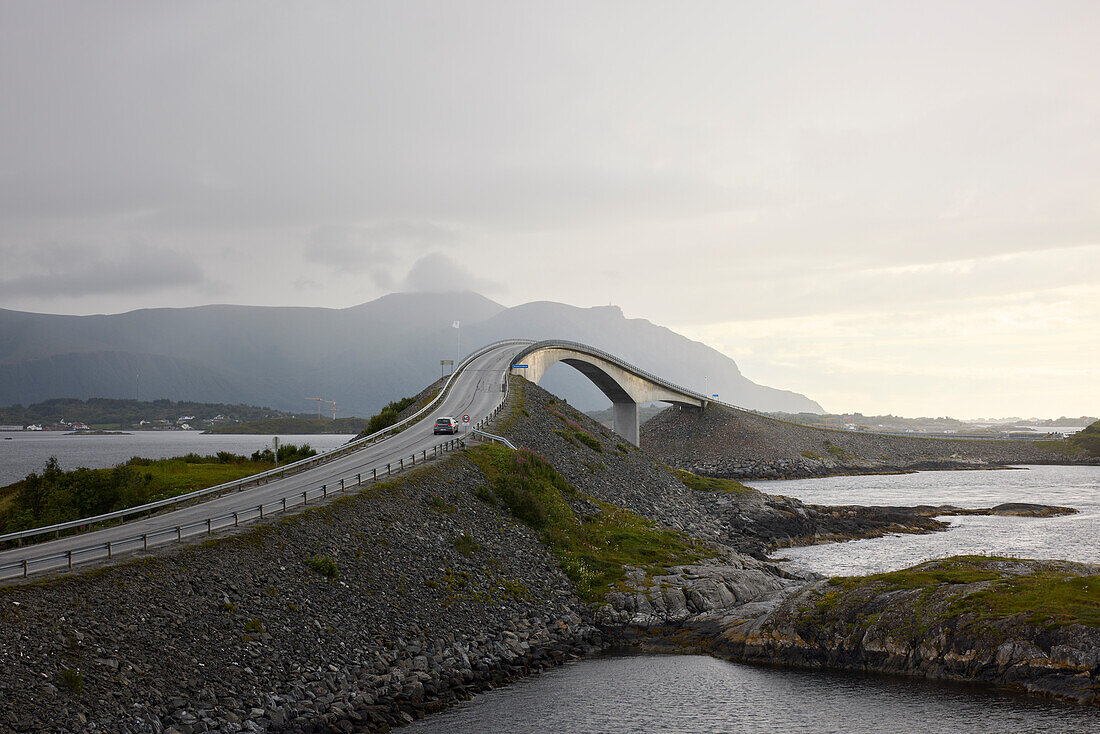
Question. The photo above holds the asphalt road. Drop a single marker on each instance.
(476, 391)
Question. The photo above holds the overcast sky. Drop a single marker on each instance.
(890, 207)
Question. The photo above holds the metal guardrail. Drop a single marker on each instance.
(178, 533)
(494, 438)
(279, 473)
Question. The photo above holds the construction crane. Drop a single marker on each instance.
(322, 400)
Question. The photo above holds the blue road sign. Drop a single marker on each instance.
(519, 366)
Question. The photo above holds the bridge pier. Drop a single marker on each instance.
(626, 421)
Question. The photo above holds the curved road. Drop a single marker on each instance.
(475, 391)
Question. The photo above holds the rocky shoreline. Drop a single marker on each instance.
(889, 624)
(736, 444)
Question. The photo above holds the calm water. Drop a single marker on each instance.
(27, 451)
(1072, 537)
(697, 694)
(659, 693)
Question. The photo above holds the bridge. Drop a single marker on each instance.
(624, 384)
(478, 388)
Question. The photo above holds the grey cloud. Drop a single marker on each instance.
(359, 248)
(79, 271)
(436, 272)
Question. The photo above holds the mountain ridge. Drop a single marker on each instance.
(361, 356)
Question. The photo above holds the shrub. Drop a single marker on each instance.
(324, 566)
(589, 440)
(254, 625)
(72, 680)
(466, 545)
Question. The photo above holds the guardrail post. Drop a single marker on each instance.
(402, 464)
(414, 459)
(179, 533)
(108, 549)
(388, 472)
(236, 520)
(24, 568)
(261, 509)
(305, 499)
(358, 480)
(341, 485)
(69, 555)
(209, 525)
(284, 504)
(144, 543)
(324, 491)
(375, 473)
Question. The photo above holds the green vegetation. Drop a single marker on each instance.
(323, 565)
(118, 414)
(1045, 595)
(441, 505)
(254, 626)
(55, 495)
(838, 451)
(1087, 440)
(387, 416)
(292, 426)
(591, 550)
(288, 454)
(812, 455)
(712, 484)
(72, 680)
(466, 545)
(589, 440)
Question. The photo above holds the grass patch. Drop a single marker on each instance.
(812, 455)
(1086, 440)
(568, 436)
(72, 680)
(837, 451)
(1046, 596)
(466, 545)
(440, 505)
(589, 440)
(323, 565)
(254, 626)
(55, 495)
(592, 551)
(712, 484)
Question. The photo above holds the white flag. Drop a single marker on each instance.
(454, 325)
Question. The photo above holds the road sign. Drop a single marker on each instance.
(465, 419)
(519, 366)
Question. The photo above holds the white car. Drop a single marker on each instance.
(446, 425)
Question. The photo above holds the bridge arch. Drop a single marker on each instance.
(624, 384)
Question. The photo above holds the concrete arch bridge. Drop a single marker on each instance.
(623, 383)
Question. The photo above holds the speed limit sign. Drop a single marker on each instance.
(465, 419)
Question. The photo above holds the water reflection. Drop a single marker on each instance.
(689, 693)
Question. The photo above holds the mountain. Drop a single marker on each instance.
(362, 357)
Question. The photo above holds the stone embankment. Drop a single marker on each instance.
(736, 444)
